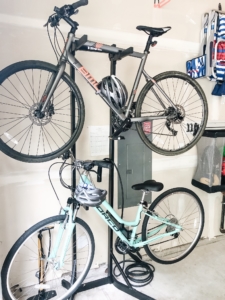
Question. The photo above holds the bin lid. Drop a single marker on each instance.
(214, 132)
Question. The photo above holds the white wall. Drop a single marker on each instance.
(26, 195)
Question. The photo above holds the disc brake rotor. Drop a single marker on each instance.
(36, 117)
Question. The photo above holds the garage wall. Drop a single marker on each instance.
(26, 195)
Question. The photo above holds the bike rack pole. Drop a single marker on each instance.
(73, 178)
(111, 257)
(128, 289)
(111, 182)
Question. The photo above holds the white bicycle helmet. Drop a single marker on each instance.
(114, 90)
(89, 195)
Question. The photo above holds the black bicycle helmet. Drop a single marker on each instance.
(89, 195)
(114, 90)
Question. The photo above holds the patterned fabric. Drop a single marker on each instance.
(220, 70)
(196, 67)
(220, 55)
(211, 63)
(219, 47)
(221, 27)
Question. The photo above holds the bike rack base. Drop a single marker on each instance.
(107, 280)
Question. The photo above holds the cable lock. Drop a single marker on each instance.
(140, 272)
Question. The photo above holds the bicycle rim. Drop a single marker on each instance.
(182, 207)
(178, 132)
(24, 133)
(29, 273)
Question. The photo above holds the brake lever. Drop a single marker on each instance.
(45, 24)
(66, 155)
(53, 20)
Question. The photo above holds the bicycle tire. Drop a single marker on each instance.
(188, 97)
(16, 284)
(166, 250)
(25, 136)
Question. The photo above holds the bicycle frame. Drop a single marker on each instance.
(134, 241)
(101, 48)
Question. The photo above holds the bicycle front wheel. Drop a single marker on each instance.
(25, 133)
(172, 132)
(30, 271)
(180, 206)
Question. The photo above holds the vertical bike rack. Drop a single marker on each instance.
(128, 289)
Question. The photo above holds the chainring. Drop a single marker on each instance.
(121, 247)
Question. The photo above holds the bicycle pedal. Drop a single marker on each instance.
(65, 284)
(136, 257)
(115, 138)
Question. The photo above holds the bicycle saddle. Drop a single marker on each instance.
(153, 31)
(149, 185)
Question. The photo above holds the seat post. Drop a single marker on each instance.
(149, 42)
(144, 192)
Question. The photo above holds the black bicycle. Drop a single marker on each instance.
(37, 100)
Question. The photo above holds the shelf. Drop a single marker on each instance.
(206, 188)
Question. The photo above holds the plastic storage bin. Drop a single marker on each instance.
(208, 175)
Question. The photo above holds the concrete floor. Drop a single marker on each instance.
(199, 276)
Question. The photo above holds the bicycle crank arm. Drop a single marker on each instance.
(124, 124)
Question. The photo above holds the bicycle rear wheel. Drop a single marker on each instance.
(176, 133)
(25, 134)
(28, 271)
(183, 207)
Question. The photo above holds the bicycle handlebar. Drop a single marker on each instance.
(70, 9)
(80, 3)
(88, 165)
(65, 12)
(103, 164)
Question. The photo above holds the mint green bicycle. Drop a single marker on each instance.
(52, 258)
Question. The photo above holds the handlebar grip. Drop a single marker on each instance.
(103, 164)
(80, 3)
(99, 174)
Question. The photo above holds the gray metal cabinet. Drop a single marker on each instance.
(135, 166)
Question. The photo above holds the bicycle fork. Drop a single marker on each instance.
(69, 226)
(51, 86)
(55, 78)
